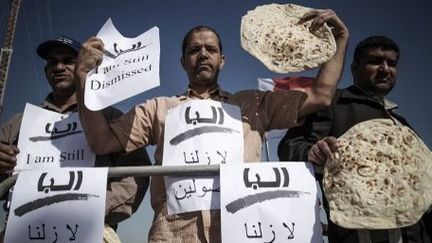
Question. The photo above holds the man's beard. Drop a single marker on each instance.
(204, 78)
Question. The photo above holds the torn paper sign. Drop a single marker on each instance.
(130, 66)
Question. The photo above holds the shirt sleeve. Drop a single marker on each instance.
(10, 130)
(280, 109)
(9, 135)
(137, 127)
(267, 110)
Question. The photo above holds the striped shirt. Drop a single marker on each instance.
(144, 125)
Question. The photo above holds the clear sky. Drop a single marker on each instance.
(407, 22)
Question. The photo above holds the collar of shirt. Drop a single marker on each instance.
(388, 104)
(49, 105)
(216, 94)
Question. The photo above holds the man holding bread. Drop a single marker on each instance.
(202, 59)
(374, 71)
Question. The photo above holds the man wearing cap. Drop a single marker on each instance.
(123, 194)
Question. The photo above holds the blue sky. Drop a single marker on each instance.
(407, 22)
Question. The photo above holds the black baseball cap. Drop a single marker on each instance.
(63, 41)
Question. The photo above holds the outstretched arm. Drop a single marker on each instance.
(324, 87)
(97, 130)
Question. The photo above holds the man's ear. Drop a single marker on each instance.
(45, 69)
(354, 68)
(222, 63)
(182, 62)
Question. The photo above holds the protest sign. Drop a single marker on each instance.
(58, 205)
(49, 138)
(200, 132)
(271, 202)
(130, 66)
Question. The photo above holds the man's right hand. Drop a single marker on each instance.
(91, 54)
(321, 16)
(7, 157)
(323, 150)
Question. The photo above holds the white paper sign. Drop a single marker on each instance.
(49, 138)
(200, 132)
(130, 66)
(58, 205)
(270, 202)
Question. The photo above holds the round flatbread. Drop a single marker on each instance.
(382, 178)
(271, 34)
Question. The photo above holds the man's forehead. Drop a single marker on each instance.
(380, 51)
(207, 36)
(201, 43)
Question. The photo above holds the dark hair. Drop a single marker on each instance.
(199, 29)
(377, 41)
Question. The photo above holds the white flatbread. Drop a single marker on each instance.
(382, 178)
(271, 34)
